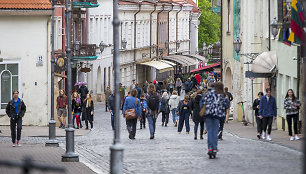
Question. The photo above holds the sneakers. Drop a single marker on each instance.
(258, 135)
(18, 144)
(14, 145)
(92, 129)
(291, 138)
(263, 136)
(269, 138)
(296, 137)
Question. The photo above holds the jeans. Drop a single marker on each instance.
(179, 90)
(212, 125)
(112, 121)
(165, 118)
(17, 121)
(174, 115)
(267, 122)
(259, 124)
(152, 124)
(289, 121)
(131, 127)
(184, 118)
(196, 125)
(222, 120)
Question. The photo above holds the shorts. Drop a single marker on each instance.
(62, 112)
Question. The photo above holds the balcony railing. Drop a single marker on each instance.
(84, 52)
(85, 4)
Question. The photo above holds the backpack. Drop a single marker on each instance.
(153, 102)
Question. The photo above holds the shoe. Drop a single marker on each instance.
(63, 127)
(175, 125)
(263, 136)
(195, 138)
(269, 138)
(92, 129)
(81, 126)
(166, 125)
(205, 132)
(77, 128)
(144, 127)
(86, 128)
(130, 137)
(14, 145)
(296, 137)
(258, 136)
(220, 135)
(152, 137)
(162, 124)
(60, 126)
(187, 133)
(291, 138)
(18, 144)
(201, 137)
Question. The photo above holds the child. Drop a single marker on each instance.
(144, 110)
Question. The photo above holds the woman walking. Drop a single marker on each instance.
(292, 106)
(184, 112)
(153, 101)
(76, 108)
(171, 83)
(164, 108)
(259, 121)
(173, 103)
(131, 111)
(178, 86)
(196, 118)
(89, 107)
(216, 104)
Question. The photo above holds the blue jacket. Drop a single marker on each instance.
(267, 109)
(129, 103)
(188, 85)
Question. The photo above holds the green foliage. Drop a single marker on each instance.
(210, 25)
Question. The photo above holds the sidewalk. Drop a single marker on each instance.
(39, 131)
(40, 155)
(278, 136)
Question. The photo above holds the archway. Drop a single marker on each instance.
(228, 79)
(99, 80)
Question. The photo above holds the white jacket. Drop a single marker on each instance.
(174, 102)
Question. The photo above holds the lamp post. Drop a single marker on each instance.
(52, 123)
(153, 48)
(205, 50)
(178, 44)
(237, 45)
(70, 155)
(116, 163)
(210, 49)
(102, 46)
(217, 47)
(274, 28)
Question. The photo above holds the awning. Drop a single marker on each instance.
(161, 66)
(168, 62)
(265, 62)
(207, 67)
(181, 59)
(199, 57)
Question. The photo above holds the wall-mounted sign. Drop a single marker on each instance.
(40, 61)
(60, 63)
(85, 70)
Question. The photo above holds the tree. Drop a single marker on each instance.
(210, 25)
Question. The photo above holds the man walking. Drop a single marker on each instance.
(230, 98)
(61, 106)
(108, 92)
(267, 110)
(16, 109)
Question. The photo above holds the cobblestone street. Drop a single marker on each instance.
(171, 152)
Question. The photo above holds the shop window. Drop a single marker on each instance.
(8, 82)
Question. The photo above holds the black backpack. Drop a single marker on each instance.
(153, 102)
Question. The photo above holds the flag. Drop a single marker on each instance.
(297, 19)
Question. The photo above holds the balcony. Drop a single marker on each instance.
(84, 52)
(85, 4)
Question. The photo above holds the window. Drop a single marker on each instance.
(58, 33)
(109, 75)
(255, 17)
(228, 15)
(8, 82)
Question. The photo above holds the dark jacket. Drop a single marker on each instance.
(229, 95)
(77, 107)
(188, 85)
(255, 104)
(164, 108)
(195, 106)
(267, 109)
(180, 107)
(138, 91)
(111, 103)
(88, 115)
(10, 109)
(83, 91)
(194, 82)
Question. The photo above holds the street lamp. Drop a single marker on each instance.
(210, 49)
(102, 46)
(124, 43)
(205, 50)
(77, 45)
(178, 44)
(217, 46)
(237, 44)
(153, 48)
(274, 27)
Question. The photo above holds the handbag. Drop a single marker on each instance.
(203, 110)
(131, 113)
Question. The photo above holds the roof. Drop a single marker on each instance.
(25, 4)
(207, 67)
(195, 8)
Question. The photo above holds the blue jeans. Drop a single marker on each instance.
(112, 121)
(184, 118)
(152, 124)
(212, 124)
(196, 125)
(174, 115)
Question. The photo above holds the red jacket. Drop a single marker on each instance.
(198, 77)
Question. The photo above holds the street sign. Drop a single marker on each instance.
(216, 9)
(85, 70)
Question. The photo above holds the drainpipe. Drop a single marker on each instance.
(135, 38)
(169, 28)
(190, 18)
(221, 54)
(157, 32)
(151, 30)
(177, 25)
